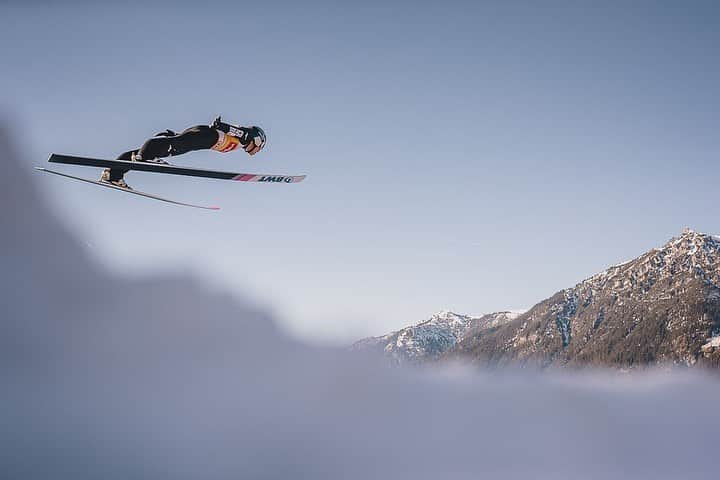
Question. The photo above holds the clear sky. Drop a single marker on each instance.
(473, 156)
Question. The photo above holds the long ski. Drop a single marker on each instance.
(174, 169)
(126, 190)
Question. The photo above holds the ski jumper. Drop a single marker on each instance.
(166, 144)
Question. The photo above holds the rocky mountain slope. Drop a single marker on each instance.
(662, 307)
(431, 338)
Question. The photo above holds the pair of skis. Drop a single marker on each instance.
(162, 168)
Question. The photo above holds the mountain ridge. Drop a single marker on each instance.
(662, 307)
(428, 339)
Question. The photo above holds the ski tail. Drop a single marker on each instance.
(127, 190)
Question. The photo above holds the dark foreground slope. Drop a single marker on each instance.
(662, 307)
(108, 378)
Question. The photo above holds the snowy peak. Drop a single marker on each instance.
(446, 318)
(701, 248)
(430, 338)
(692, 253)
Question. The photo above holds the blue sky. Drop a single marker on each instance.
(473, 156)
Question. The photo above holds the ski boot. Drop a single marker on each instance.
(158, 161)
(120, 182)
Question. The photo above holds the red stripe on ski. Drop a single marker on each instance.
(246, 177)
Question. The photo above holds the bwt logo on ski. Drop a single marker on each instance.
(271, 178)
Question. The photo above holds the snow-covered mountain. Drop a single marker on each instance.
(431, 338)
(662, 307)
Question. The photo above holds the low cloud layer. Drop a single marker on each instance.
(162, 378)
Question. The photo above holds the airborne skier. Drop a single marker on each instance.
(218, 136)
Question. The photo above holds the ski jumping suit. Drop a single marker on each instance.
(165, 144)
